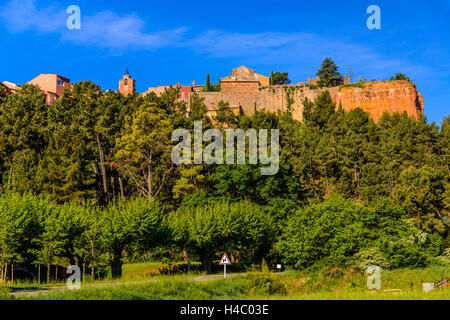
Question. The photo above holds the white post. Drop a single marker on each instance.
(224, 271)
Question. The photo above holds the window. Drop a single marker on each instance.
(59, 83)
(125, 82)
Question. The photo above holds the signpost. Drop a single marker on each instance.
(224, 262)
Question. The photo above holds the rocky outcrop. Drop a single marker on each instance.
(374, 97)
(382, 96)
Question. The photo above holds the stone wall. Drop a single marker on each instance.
(275, 98)
(211, 99)
(240, 93)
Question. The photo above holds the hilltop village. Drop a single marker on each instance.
(246, 91)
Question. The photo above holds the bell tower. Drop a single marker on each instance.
(127, 84)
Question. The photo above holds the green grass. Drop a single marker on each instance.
(157, 290)
(130, 272)
(332, 283)
(353, 85)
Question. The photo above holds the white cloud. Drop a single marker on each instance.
(109, 30)
(105, 29)
(22, 15)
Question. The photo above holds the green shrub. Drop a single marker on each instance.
(264, 283)
(353, 85)
(370, 257)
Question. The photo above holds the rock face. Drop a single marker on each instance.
(374, 97)
(382, 96)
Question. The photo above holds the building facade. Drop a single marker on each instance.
(127, 84)
(52, 85)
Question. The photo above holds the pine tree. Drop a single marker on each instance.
(329, 74)
(208, 85)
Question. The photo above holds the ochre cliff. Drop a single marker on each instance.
(374, 97)
(382, 96)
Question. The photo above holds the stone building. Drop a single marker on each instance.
(11, 87)
(4, 90)
(240, 90)
(127, 84)
(52, 85)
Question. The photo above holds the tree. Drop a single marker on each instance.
(208, 86)
(225, 115)
(144, 149)
(208, 231)
(198, 108)
(329, 74)
(331, 230)
(351, 74)
(23, 124)
(421, 192)
(280, 78)
(51, 240)
(126, 225)
(401, 76)
(68, 168)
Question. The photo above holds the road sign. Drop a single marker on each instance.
(224, 261)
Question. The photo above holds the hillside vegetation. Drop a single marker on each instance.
(89, 181)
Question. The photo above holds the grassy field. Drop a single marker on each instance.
(334, 283)
(130, 272)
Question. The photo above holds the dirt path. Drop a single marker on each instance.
(36, 291)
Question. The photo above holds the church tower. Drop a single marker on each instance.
(127, 84)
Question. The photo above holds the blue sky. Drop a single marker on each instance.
(165, 42)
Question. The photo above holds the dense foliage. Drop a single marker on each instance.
(348, 190)
(329, 73)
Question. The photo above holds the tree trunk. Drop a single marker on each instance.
(56, 274)
(48, 272)
(326, 179)
(116, 267)
(12, 272)
(121, 188)
(6, 273)
(39, 274)
(207, 264)
(93, 273)
(13, 179)
(149, 183)
(102, 166)
(1, 178)
(113, 188)
(149, 179)
(9, 178)
(84, 271)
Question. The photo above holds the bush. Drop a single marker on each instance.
(331, 231)
(242, 229)
(332, 273)
(402, 255)
(370, 257)
(353, 85)
(264, 283)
